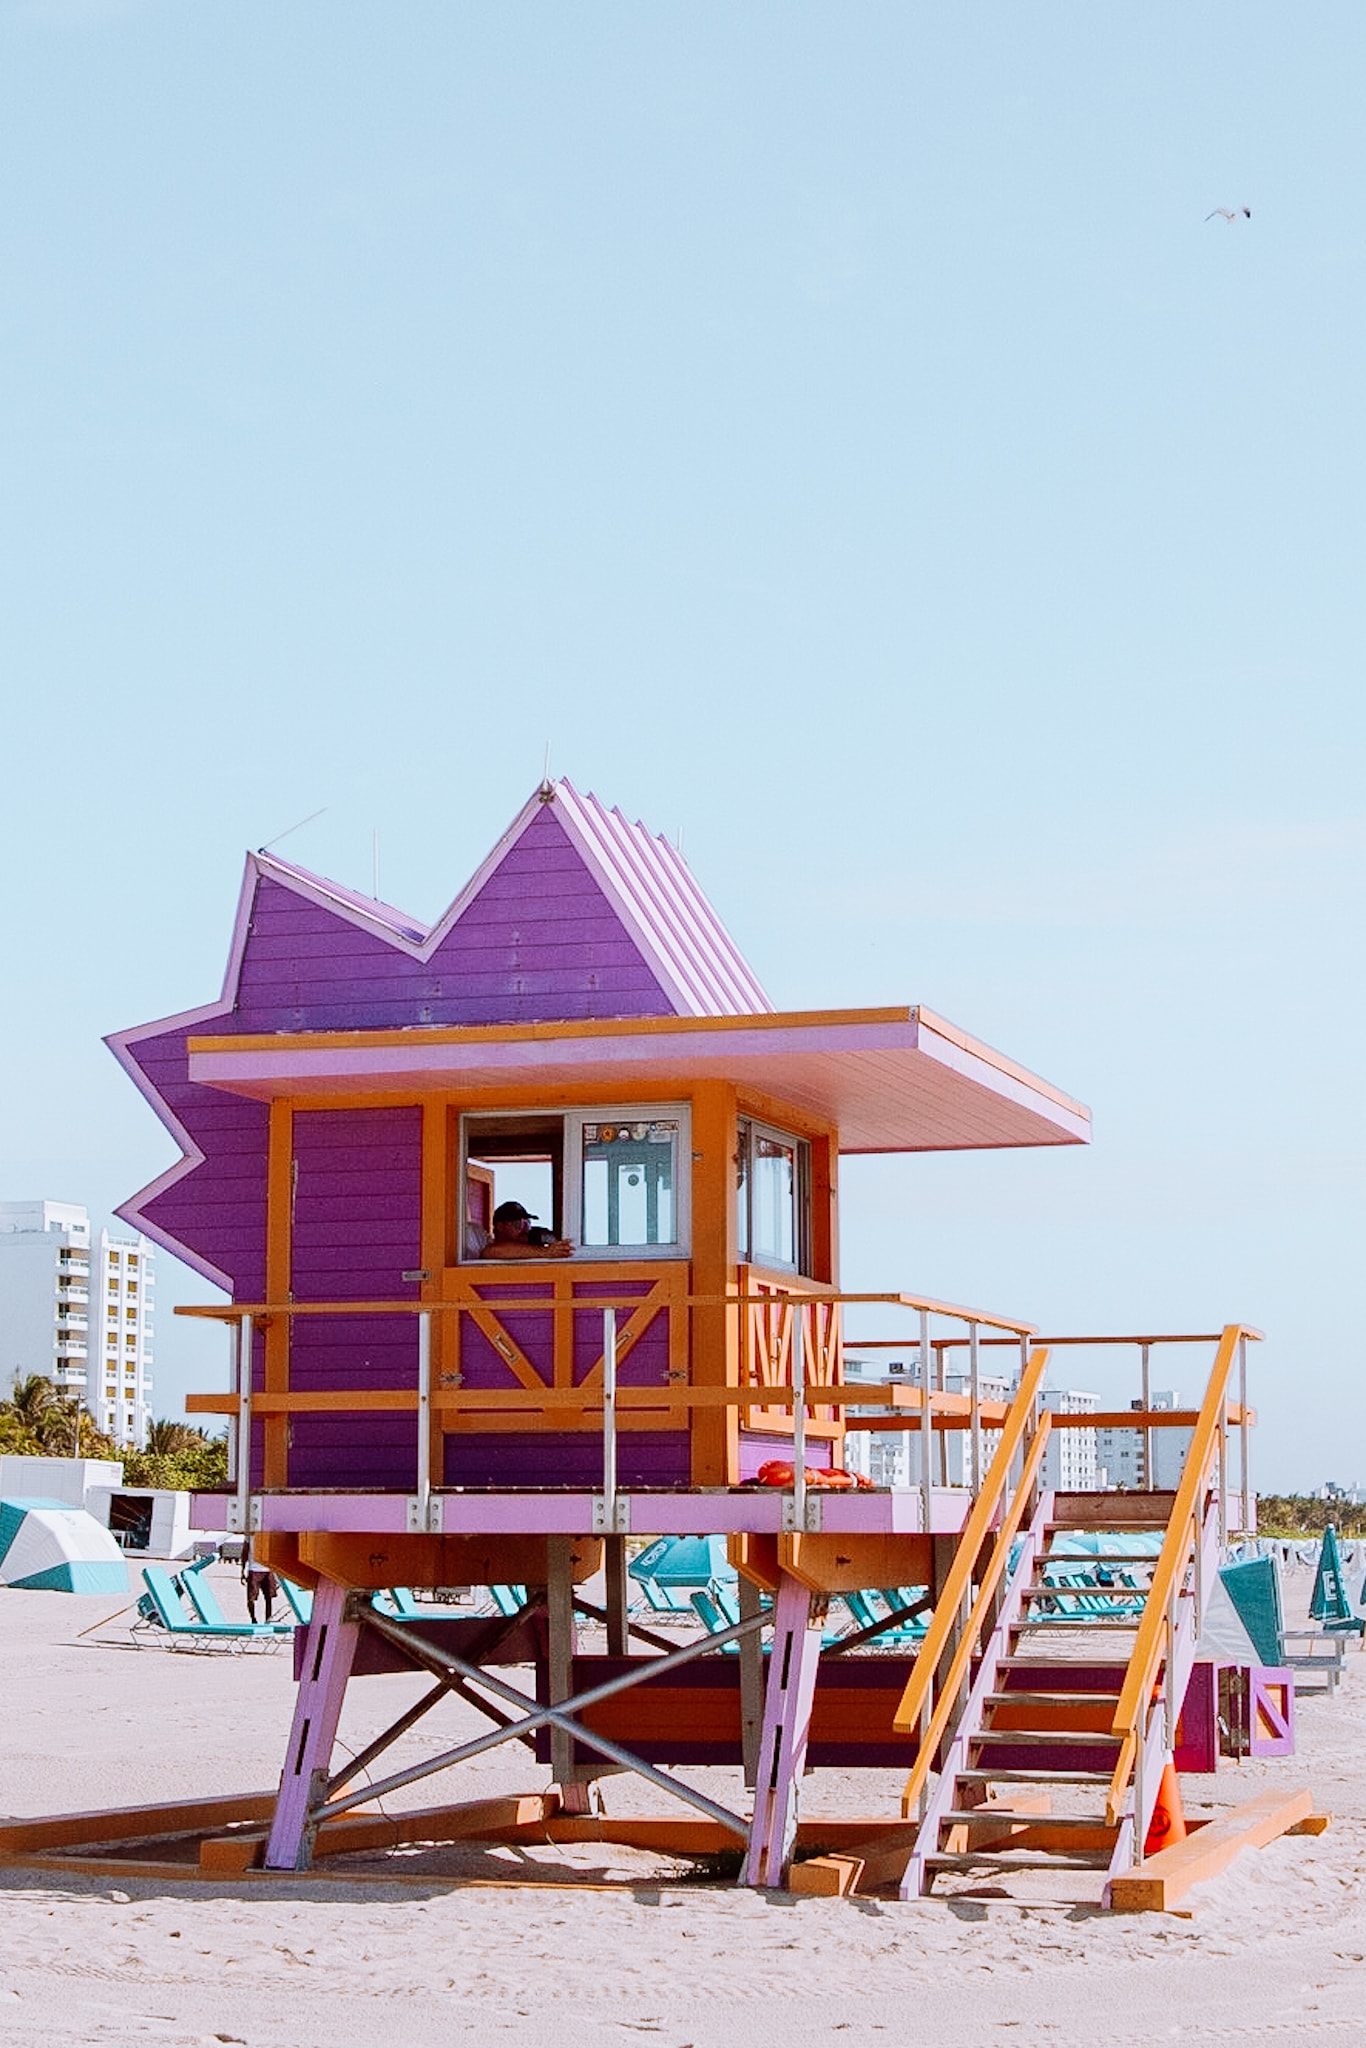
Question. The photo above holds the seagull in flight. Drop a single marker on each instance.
(1230, 213)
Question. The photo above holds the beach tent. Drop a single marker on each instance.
(1255, 1590)
(48, 1546)
(684, 1561)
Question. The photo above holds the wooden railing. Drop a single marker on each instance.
(932, 1696)
(800, 1375)
(1206, 1465)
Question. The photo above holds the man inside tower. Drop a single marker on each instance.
(514, 1238)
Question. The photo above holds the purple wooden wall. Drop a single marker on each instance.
(539, 941)
(357, 1229)
(531, 1458)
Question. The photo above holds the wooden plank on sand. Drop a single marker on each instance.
(1159, 1881)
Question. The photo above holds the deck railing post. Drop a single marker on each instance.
(1145, 1387)
(242, 1505)
(798, 1417)
(1244, 1445)
(423, 1499)
(235, 1369)
(609, 1419)
(975, 1401)
(1223, 1479)
(926, 1427)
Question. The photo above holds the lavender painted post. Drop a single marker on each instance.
(329, 1652)
(786, 1727)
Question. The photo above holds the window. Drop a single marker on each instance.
(614, 1181)
(773, 1197)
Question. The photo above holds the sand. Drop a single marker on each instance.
(1275, 1950)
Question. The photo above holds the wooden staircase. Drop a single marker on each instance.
(1045, 1711)
(1025, 1782)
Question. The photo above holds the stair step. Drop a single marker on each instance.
(1126, 1526)
(1048, 1699)
(1052, 1664)
(1032, 1777)
(1049, 1738)
(1024, 1859)
(1091, 1621)
(1086, 1561)
(1054, 1590)
(976, 1816)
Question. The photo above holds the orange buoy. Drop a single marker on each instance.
(778, 1472)
(1168, 1823)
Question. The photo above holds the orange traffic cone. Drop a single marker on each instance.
(1168, 1823)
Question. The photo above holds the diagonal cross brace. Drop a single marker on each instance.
(562, 1716)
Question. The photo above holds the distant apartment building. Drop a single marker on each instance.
(1071, 1461)
(1124, 1452)
(891, 1457)
(78, 1311)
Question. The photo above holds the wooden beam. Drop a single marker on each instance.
(852, 1564)
(517, 1818)
(1159, 1881)
(134, 1823)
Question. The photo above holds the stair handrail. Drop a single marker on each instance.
(991, 1515)
(1169, 1573)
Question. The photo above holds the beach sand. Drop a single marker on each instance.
(1274, 1950)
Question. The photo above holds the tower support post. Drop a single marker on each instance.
(329, 1651)
(798, 1618)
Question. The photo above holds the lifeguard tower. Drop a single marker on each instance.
(414, 1405)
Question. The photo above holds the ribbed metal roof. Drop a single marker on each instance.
(655, 892)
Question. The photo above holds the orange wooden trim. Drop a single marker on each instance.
(662, 1400)
(957, 1585)
(1179, 1544)
(440, 1225)
(605, 1027)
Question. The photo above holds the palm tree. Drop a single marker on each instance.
(49, 1416)
(167, 1439)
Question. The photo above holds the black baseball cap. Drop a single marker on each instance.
(512, 1212)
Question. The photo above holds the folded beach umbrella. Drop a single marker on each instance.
(1329, 1603)
(47, 1546)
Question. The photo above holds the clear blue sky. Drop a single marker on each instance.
(839, 432)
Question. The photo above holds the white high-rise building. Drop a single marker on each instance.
(78, 1312)
(1070, 1463)
(1123, 1453)
(891, 1457)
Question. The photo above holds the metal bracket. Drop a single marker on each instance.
(790, 1523)
(425, 1518)
(237, 1524)
(612, 1518)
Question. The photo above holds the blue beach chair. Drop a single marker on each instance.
(204, 1601)
(162, 1617)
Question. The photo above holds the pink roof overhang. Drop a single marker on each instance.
(889, 1080)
